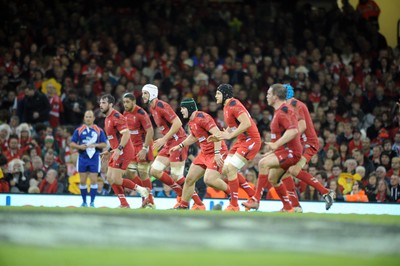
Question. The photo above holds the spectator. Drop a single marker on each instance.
(394, 188)
(371, 187)
(4, 186)
(381, 174)
(355, 143)
(13, 151)
(334, 186)
(376, 155)
(74, 109)
(18, 182)
(50, 185)
(395, 170)
(357, 194)
(5, 132)
(385, 160)
(102, 188)
(35, 106)
(363, 161)
(396, 144)
(50, 160)
(382, 191)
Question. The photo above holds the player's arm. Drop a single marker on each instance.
(124, 139)
(302, 126)
(287, 136)
(214, 131)
(176, 125)
(189, 141)
(148, 138)
(244, 124)
(186, 142)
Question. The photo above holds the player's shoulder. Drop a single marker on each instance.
(284, 108)
(117, 114)
(233, 103)
(297, 103)
(201, 115)
(161, 104)
(141, 111)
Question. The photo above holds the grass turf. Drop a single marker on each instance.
(355, 218)
(11, 255)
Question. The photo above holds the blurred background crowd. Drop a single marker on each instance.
(58, 57)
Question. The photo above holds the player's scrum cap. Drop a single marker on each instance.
(152, 90)
(226, 90)
(290, 91)
(189, 104)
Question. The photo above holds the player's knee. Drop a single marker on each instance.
(133, 167)
(110, 180)
(190, 181)
(177, 171)
(143, 170)
(263, 169)
(272, 180)
(209, 180)
(157, 169)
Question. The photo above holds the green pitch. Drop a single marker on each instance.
(50, 236)
(20, 255)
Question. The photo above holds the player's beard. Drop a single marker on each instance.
(129, 110)
(105, 111)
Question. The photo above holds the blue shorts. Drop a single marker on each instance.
(85, 164)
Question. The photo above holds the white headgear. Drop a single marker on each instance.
(152, 90)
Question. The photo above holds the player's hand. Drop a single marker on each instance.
(116, 154)
(218, 160)
(226, 134)
(213, 138)
(93, 145)
(159, 143)
(175, 148)
(271, 146)
(105, 155)
(142, 154)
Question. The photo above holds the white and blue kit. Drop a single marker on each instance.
(89, 159)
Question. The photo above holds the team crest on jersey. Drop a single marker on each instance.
(201, 139)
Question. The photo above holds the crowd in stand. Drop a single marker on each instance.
(57, 58)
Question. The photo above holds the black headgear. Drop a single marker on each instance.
(226, 90)
(189, 104)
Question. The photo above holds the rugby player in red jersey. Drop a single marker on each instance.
(248, 143)
(209, 161)
(117, 133)
(285, 148)
(310, 144)
(141, 133)
(173, 133)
